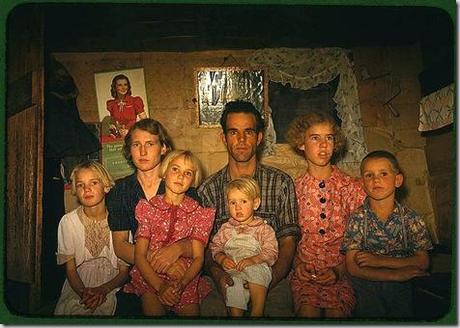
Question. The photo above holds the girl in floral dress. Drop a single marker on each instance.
(166, 219)
(326, 196)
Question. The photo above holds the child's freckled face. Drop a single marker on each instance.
(379, 178)
(241, 206)
(180, 175)
(89, 188)
(318, 144)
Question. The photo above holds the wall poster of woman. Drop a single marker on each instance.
(121, 99)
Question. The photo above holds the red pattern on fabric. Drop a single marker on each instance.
(343, 194)
(188, 220)
(126, 114)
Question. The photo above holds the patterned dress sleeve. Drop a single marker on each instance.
(356, 194)
(203, 224)
(268, 243)
(353, 238)
(217, 243)
(66, 241)
(144, 216)
(419, 237)
(138, 105)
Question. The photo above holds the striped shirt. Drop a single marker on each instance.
(278, 200)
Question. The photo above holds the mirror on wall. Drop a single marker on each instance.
(217, 86)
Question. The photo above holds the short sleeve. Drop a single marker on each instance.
(110, 104)
(353, 237)
(419, 236)
(287, 209)
(138, 105)
(144, 215)
(355, 195)
(66, 241)
(203, 224)
(269, 244)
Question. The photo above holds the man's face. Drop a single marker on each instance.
(241, 138)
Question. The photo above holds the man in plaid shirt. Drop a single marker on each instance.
(242, 127)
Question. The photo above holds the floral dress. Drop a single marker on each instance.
(324, 207)
(164, 224)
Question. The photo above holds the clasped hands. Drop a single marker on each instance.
(325, 276)
(92, 297)
(167, 261)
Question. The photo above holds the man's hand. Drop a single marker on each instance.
(306, 271)
(363, 259)
(241, 265)
(162, 260)
(177, 270)
(222, 280)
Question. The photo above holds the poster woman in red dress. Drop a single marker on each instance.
(124, 108)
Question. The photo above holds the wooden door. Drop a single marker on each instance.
(24, 150)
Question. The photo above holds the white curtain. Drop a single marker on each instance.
(307, 68)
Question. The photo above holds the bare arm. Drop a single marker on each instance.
(420, 260)
(282, 266)
(167, 256)
(197, 263)
(218, 275)
(380, 274)
(123, 248)
(73, 277)
(118, 280)
(143, 265)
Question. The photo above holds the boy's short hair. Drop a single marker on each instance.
(98, 168)
(246, 185)
(151, 126)
(298, 127)
(377, 154)
(188, 156)
(241, 106)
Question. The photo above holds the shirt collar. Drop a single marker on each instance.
(188, 205)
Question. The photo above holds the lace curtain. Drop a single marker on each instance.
(307, 68)
(437, 109)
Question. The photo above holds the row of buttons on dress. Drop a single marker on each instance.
(322, 200)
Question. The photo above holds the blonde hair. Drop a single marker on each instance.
(296, 131)
(188, 156)
(96, 167)
(246, 185)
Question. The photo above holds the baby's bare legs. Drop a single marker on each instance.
(334, 313)
(235, 312)
(258, 294)
(151, 305)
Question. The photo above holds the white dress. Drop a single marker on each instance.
(90, 244)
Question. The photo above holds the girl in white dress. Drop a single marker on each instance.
(94, 273)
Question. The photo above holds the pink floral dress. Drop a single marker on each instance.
(324, 207)
(164, 224)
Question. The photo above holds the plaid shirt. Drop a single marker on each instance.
(278, 200)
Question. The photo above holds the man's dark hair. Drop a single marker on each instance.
(241, 106)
